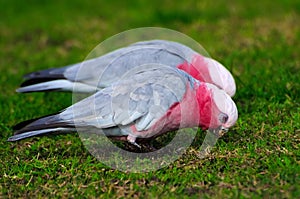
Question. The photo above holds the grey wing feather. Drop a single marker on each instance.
(142, 97)
(105, 70)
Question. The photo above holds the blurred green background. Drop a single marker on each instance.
(257, 41)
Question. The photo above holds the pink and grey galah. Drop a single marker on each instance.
(94, 74)
(146, 102)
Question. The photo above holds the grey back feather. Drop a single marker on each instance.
(181, 49)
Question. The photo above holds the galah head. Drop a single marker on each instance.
(220, 76)
(220, 112)
(209, 70)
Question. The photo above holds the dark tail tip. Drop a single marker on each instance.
(44, 76)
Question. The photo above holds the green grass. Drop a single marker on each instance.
(259, 43)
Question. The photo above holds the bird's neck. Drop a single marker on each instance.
(198, 68)
(195, 109)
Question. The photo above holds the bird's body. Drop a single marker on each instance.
(98, 73)
(148, 101)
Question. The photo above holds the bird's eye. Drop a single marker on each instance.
(223, 118)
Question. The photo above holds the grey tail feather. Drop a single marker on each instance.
(51, 85)
(44, 76)
(41, 132)
(40, 126)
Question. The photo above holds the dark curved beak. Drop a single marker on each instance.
(210, 140)
(219, 132)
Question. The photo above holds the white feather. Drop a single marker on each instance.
(63, 85)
